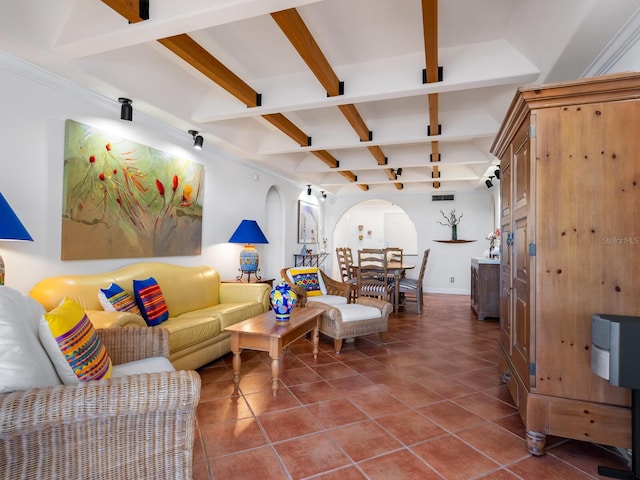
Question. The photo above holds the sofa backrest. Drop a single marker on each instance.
(184, 288)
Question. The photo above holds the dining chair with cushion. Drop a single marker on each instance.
(345, 263)
(411, 288)
(394, 254)
(373, 277)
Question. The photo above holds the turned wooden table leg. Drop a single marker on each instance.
(236, 371)
(316, 340)
(275, 372)
(536, 442)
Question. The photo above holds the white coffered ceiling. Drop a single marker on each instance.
(377, 48)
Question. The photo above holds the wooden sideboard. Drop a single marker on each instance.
(485, 287)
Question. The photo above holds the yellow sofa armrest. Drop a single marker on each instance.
(104, 319)
(245, 292)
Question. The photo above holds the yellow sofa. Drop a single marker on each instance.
(200, 306)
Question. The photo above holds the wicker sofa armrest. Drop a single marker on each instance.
(137, 426)
(131, 343)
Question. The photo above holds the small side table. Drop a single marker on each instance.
(253, 280)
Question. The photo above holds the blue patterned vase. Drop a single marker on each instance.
(283, 299)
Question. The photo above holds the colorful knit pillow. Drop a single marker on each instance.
(307, 278)
(150, 301)
(73, 345)
(115, 299)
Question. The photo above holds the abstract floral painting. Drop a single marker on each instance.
(122, 199)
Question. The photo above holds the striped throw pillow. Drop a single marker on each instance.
(115, 299)
(150, 301)
(73, 345)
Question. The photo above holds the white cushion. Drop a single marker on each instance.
(24, 364)
(145, 365)
(329, 299)
(353, 312)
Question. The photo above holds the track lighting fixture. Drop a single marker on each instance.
(308, 189)
(497, 173)
(399, 171)
(197, 139)
(126, 110)
(488, 182)
(324, 195)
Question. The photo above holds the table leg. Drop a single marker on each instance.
(236, 370)
(275, 373)
(396, 292)
(316, 338)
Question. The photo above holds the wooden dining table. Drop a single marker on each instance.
(397, 269)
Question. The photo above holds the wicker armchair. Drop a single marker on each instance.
(133, 427)
(334, 287)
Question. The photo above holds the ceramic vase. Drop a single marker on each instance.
(454, 232)
(283, 298)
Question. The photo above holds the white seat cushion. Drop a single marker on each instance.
(329, 299)
(146, 365)
(353, 312)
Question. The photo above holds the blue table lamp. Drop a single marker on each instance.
(248, 232)
(10, 229)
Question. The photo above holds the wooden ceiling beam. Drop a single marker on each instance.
(399, 186)
(287, 127)
(352, 115)
(191, 52)
(430, 32)
(292, 25)
(352, 177)
(327, 158)
(363, 186)
(378, 154)
(132, 10)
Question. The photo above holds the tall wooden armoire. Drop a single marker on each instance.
(570, 218)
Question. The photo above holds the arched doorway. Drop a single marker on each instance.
(375, 224)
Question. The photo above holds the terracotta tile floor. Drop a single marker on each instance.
(426, 405)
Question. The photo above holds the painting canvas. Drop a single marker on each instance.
(122, 199)
(307, 222)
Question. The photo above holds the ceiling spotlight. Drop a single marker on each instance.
(126, 110)
(497, 173)
(324, 195)
(197, 139)
(399, 171)
(488, 182)
(308, 189)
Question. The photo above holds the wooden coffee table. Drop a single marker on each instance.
(263, 333)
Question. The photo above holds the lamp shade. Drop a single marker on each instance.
(248, 232)
(10, 226)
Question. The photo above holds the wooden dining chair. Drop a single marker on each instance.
(373, 277)
(345, 263)
(411, 288)
(394, 254)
